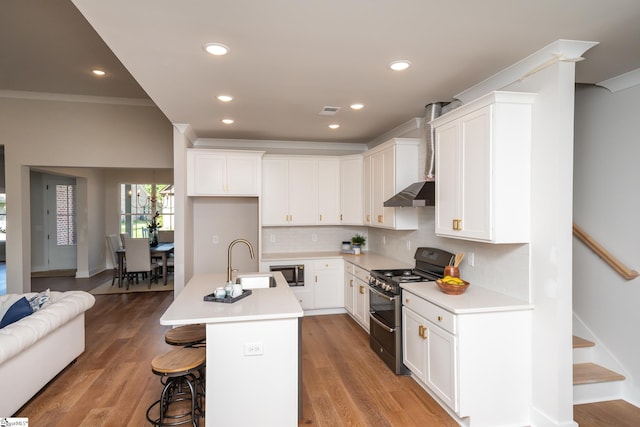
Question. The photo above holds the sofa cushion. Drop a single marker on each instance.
(17, 311)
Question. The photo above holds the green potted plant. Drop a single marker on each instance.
(357, 242)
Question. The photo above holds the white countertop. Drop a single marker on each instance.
(474, 300)
(263, 304)
(366, 260)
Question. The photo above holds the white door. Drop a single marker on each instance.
(60, 211)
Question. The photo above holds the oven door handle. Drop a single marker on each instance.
(382, 325)
(381, 295)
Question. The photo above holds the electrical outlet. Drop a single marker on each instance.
(384, 240)
(314, 237)
(253, 349)
(272, 238)
(471, 259)
(408, 245)
(216, 240)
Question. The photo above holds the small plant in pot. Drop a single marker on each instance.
(357, 242)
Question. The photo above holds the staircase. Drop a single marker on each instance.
(592, 382)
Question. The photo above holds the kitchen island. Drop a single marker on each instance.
(252, 351)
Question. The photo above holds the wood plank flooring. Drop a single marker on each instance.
(344, 383)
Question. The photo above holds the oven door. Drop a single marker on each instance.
(383, 308)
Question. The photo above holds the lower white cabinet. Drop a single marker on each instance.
(327, 289)
(323, 282)
(356, 290)
(475, 362)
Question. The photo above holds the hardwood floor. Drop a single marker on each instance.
(344, 383)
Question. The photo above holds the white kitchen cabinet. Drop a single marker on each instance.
(351, 190)
(483, 168)
(389, 168)
(300, 190)
(329, 191)
(474, 360)
(367, 204)
(349, 287)
(429, 353)
(327, 283)
(223, 173)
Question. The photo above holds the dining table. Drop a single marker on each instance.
(162, 250)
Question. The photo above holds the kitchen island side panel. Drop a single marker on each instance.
(252, 373)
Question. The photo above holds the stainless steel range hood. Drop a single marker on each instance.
(422, 193)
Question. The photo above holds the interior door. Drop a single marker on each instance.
(60, 210)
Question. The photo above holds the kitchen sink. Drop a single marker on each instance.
(256, 281)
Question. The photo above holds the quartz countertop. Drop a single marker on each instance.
(263, 304)
(474, 300)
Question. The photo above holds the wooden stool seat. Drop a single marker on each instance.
(179, 360)
(182, 372)
(186, 335)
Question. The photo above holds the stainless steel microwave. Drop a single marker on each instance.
(293, 274)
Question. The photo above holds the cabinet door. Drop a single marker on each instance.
(275, 192)
(327, 285)
(378, 188)
(329, 191)
(351, 191)
(303, 191)
(242, 175)
(362, 303)
(414, 347)
(475, 193)
(447, 182)
(441, 372)
(305, 298)
(349, 292)
(207, 174)
(367, 188)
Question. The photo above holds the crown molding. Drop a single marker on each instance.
(622, 82)
(65, 97)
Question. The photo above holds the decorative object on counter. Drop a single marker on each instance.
(153, 226)
(227, 299)
(357, 242)
(346, 247)
(452, 269)
(452, 285)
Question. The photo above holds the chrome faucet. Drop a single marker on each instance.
(229, 269)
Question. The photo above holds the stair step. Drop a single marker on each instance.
(581, 342)
(588, 373)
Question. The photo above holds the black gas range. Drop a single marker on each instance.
(385, 302)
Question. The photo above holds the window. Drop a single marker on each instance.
(65, 215)
(138, 203)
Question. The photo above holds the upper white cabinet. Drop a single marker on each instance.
(223, 173)
(483, 169)
(388, 169)
(329, 191)
(351, 190)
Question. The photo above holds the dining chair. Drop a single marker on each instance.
(138, 256)
(165, 236)
(113, 244)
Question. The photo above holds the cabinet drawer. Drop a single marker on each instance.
(349, 268)
(327, 264)
(361, 274)
(438, 316)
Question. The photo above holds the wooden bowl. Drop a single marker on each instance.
(450, 289)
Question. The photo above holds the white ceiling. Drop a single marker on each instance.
(290, 58)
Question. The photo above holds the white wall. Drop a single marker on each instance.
(606, 202)
(76, 132)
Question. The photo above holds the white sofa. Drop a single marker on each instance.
(36, 348)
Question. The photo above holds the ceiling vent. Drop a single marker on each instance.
(329, 111)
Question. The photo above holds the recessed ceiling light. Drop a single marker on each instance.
(334, 126)
(98, 72)
(357, 106)
(400, 65)
(225, 98)
(227, 121)
(217, 49)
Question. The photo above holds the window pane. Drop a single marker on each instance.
(138, 203)
(65, 215)
(3, 217)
